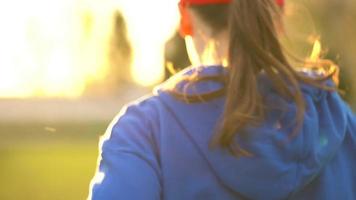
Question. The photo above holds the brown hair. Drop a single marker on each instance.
(253, 48)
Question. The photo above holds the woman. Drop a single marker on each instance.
(242, 124)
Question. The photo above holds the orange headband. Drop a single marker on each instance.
(185, 22)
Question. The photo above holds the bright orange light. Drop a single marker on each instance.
(327, 67)
(55, 48)
(150, 24)
(45, 49)
(315, 55)
(192, 53)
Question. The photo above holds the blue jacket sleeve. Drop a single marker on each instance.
(128, 167)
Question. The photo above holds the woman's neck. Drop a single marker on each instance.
(204, 50)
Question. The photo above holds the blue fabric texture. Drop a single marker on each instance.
(158, 148)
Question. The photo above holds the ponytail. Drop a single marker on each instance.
(254, 48)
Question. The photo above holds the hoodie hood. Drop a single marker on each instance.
(279, 168)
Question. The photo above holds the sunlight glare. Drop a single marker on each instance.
(55, 48)
(150, 25)
(315, 55)
(45, 49)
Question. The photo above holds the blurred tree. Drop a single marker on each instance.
(120, 54)
(119, 61)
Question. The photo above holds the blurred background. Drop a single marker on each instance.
(68, 66)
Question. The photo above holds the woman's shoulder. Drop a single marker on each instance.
(323, 85)
(194, 84)
(143, 108)
(149, 109)
(146, 108)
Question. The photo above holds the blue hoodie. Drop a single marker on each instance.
(158, 148)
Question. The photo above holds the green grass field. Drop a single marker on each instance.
(41, 161)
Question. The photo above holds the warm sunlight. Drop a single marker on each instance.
(55, 48)
(150, 25)
(315, 55)
(329, 67)
(46, 50)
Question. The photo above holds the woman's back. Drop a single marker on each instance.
(248, 125)
(158, 148)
